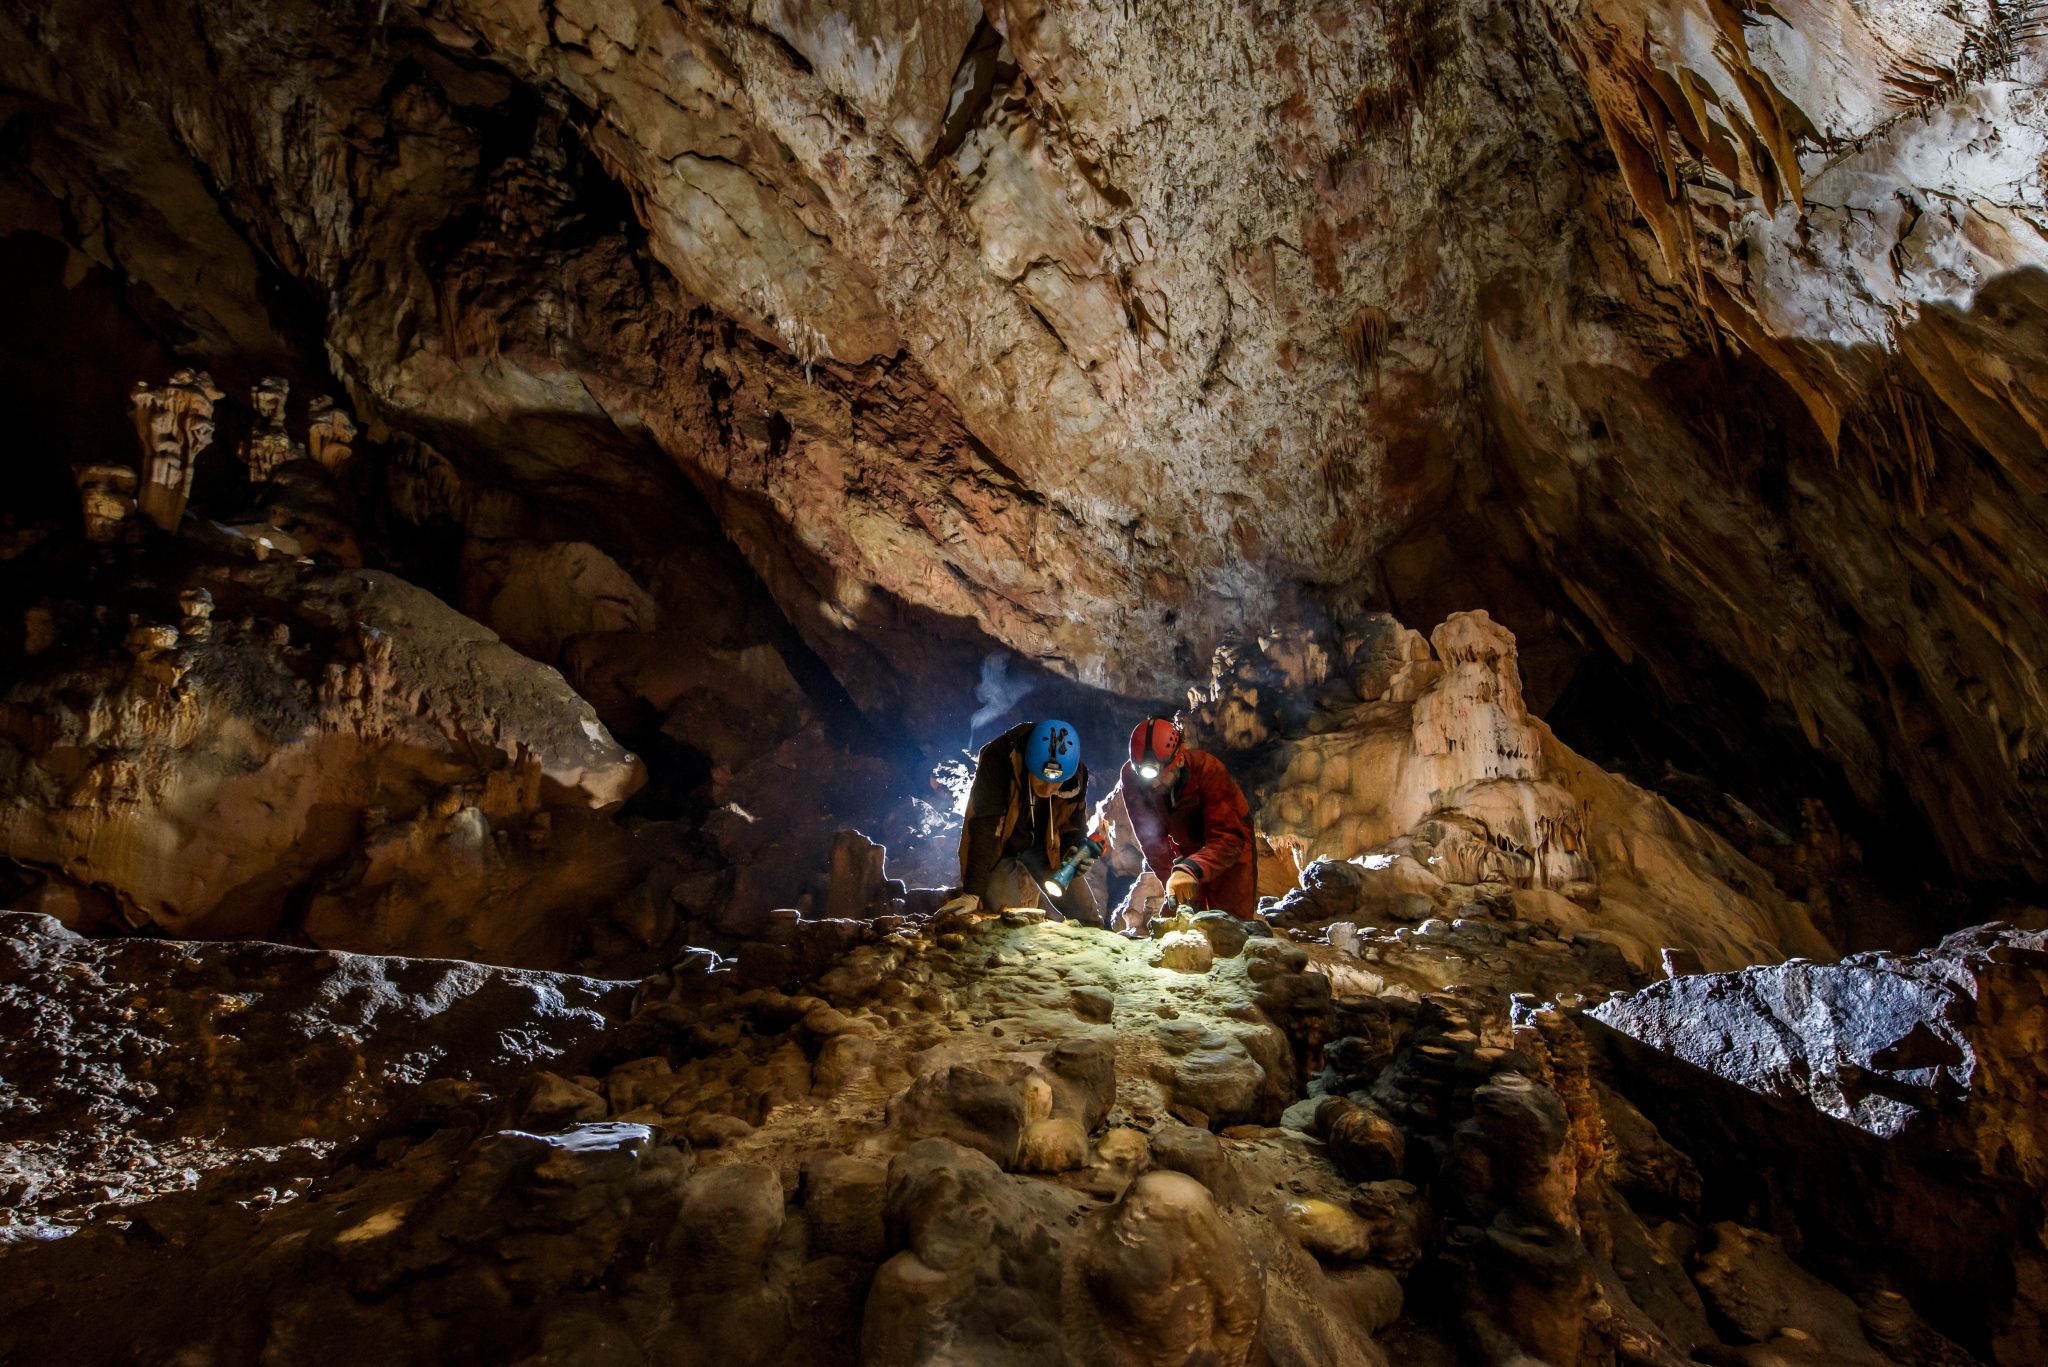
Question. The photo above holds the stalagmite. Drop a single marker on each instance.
(175, 424)
(106, 495)
(330, 433)
(268, 444)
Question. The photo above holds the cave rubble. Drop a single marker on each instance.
(931, 1147)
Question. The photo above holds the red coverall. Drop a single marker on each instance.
(1207, 831)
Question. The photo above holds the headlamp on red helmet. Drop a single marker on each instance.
(1155, 747)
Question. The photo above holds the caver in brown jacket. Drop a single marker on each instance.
(1005, 821)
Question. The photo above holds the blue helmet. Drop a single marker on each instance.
(1053, 752)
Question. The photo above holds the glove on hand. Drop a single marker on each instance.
(1180, 887)
(966, 901)
(1089, 854)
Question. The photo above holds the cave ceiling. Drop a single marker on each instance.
(1704, 338)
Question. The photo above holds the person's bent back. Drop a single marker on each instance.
(1191, 820)
(1025, 818)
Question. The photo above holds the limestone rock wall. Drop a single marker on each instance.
(269, 732)
(1846, 193)
(539, 597)
(1684, 337)
(1441, 786)
(1104, 332)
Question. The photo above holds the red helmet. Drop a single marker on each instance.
(1155, 747)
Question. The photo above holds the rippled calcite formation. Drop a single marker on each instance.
(1419, 767)
(268, 444)
(174, 422)
(330, 433)
(106, 496)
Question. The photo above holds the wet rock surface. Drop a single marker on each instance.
(133, 1068)
(1894, 1045)
(1906, 1075)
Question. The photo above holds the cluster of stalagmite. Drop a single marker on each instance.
(106, 496)
(268, 444)
(175, 423)
(330, 433)
(335, 742)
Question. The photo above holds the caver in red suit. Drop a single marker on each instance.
(1191, 820)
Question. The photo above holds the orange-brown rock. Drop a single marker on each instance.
(1440, 792)
(294, 727)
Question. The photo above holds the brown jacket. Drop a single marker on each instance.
(1005, 821)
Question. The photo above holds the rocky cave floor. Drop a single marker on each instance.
(997, 1139)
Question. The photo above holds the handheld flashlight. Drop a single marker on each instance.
(1057, 882)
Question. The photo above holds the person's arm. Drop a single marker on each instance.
(987, 801)
(1226, 825)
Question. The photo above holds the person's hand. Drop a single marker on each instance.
(966, 901)
(1089, 854)
(1180, 887)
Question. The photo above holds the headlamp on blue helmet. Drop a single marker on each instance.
(1053, 752)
